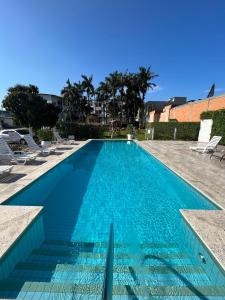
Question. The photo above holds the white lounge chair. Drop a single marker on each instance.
(208, 147)
(35, 147)
(17, 157)
(5, 170)
(60, 140)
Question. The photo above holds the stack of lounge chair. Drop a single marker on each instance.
(38, 149)
(60, 140)
(18, 157)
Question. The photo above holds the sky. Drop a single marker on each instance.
(45, 42)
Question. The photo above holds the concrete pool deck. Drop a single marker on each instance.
(206, 175)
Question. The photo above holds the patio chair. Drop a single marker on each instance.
(60, 140)
(5, 170)
(18, 157)
(219, 154)
(36, 148)
(208, 147)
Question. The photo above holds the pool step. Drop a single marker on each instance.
(117, 268)
(101, 261)
(125, 275)
(105, 244)
(99, 255)
(38, 289)
(75, 270)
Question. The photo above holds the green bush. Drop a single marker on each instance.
(207, 115)
(218, 118)
(130, 129)
(82, 131)
(45, 134)
(187, 131)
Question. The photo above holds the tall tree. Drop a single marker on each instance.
(28, 108)
(88, 86)
(145, 77)
(103, 93)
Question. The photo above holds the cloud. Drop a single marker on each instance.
(158, 88)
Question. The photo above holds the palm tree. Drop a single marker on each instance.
(145, 77)
(67, 97)
(88, 86)
(103, 93)
(113, 82)
(71, 100)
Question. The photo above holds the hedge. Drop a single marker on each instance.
(218, 118)
(82, 131)
(187, 131)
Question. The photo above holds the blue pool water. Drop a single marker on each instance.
(112, 182)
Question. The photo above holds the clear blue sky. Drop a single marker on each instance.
(44, 42)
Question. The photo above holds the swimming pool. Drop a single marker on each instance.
(111, 182)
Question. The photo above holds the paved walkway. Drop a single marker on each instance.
(207, 175)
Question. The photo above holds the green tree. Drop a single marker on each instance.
(145, 77)
(28, 108)
(103, 93)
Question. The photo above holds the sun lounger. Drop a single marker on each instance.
(4, 170)
(60, 140)
(219, 154)
(208, 147)
(17, 157)
(35, 147)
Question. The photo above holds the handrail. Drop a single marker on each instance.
(108, 275)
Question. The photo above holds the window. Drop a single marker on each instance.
(23, 131)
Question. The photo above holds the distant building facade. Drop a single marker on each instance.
(100, 111)
(53, 99)
(159, 111)
(181, 110)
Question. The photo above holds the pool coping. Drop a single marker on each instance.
(197, 220)
(204, 235)
(14, 221)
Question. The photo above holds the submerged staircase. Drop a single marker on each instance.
(75, 270)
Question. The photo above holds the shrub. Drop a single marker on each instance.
(218, 118)
(130, 129)
(82, 131)
(45, 134)
(207, 115)
(187, 131)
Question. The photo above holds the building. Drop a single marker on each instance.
(100, 112)
(159, 111)
(177, 108)
(53, 99)
(153, 110)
